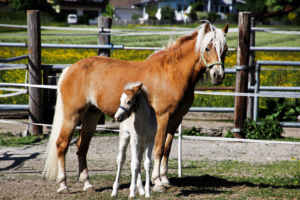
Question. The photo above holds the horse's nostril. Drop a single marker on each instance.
(119, 118)
(215, 75)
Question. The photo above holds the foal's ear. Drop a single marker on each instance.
(207, 28)
(137, 88)
(225, 29)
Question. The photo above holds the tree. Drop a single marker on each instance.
(109, 11)
(167, 13)
(278, 5)
(252, 6)
(23, 5)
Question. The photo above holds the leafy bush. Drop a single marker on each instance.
(193, 132)
(229, 134)
(109, 11)
(202, 15)
(264, 129)
(83, 19)
(213, 16)
(151, 10)
(232, 16)
(167, 13)
(280, 110)
(135, 16)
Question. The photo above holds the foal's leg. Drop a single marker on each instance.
(160, 138)
(62, 145)
(147, 165)
(165, 159)
(134, 163)
(124, 141)
(89, 123)
(139, 183)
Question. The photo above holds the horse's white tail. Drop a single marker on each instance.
(51, 166)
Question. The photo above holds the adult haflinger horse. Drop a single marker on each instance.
(93, 86)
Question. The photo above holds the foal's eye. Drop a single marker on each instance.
(206, 49)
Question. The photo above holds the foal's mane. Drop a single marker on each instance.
(131, 85)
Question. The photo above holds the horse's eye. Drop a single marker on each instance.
(206, 49)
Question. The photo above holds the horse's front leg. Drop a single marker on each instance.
(167, 150)
(160, 138)
(134, 163)
(124, 141)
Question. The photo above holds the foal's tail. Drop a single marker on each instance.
(51, 166)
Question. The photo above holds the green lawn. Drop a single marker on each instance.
(262, 39)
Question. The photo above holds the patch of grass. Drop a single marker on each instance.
(9, 140)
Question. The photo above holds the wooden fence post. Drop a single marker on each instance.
(251, 78)
(243, 49)
(104, 22)
(34, 67)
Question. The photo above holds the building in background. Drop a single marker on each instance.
(124, 9)
(92, 8)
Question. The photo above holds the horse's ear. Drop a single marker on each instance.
(137, 88)
(207, 27)
(225, 29)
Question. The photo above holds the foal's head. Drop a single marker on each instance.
(211, 44)
(129, 101)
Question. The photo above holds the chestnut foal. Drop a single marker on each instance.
(138, 126)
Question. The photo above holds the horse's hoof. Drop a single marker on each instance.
(159, 188)
(131, 197)
(147, 196)
(167, 185)
(63, 191)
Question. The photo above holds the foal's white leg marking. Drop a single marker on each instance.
(147, 165)
(139, 183)
(124, 141)
(61, 178)
(134, 163)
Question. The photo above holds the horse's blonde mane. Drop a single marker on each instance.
(215, 36)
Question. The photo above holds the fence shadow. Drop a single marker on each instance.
(210, 184)
(18, 161)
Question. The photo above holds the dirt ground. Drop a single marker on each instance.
(17, 164)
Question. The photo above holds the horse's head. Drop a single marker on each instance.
(211, 44)
(129, 101)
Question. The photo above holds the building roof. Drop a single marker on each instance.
(122, 3)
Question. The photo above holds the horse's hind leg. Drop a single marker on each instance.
(89, 123)
(62, 145)
(147, 165)
(139, 182)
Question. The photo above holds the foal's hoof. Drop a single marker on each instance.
(90, 189)
(63, 191)
(159, 188)
(167, 185)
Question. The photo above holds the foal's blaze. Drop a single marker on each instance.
(128, 102)
(93, 86)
